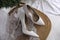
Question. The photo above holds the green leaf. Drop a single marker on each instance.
(9, 3)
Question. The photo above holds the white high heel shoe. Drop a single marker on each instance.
(24, 29)
(31, 13)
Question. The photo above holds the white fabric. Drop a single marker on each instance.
(5, 23)
(3, 20)
(52, 9)
(49, 7)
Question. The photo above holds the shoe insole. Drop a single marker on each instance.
(35, 16)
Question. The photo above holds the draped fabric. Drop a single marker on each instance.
(52, 9)
(15, 28)
(36, 4)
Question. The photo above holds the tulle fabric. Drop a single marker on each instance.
(14, 29)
